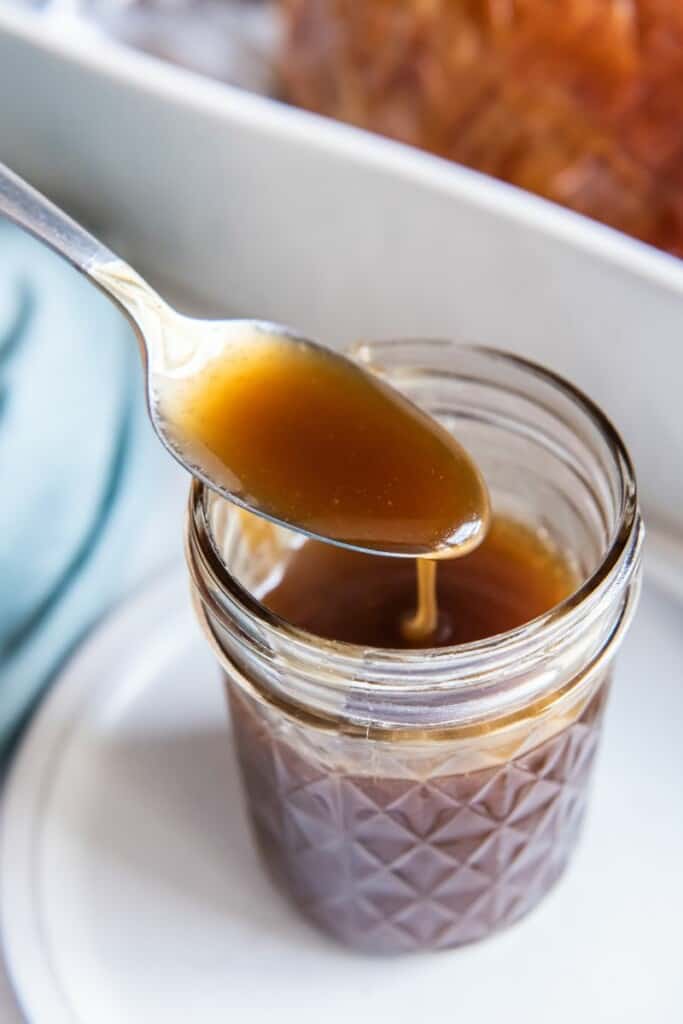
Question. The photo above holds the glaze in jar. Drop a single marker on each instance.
(422, 799)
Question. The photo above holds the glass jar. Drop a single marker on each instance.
(421, 799)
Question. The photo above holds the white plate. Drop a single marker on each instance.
(131, 891)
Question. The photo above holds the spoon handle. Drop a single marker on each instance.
(25, 206)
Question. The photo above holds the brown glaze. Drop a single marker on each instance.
(315, 441)
(420, 853)
(512, 577)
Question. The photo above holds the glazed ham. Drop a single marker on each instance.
(580, 101)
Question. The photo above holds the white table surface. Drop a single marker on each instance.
(9, 1012)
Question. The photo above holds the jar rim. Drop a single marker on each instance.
(615, 568)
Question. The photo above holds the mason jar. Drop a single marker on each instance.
(422, 799)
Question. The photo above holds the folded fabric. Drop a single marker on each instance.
(77, 465)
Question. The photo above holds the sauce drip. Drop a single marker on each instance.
(421, 626)
(512, 577)
(314, 441)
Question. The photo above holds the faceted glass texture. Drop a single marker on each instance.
(390, 863)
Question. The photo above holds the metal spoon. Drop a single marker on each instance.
(176, 350)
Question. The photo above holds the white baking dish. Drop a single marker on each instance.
(262, 209)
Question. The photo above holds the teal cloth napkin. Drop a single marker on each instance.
(75, 458)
